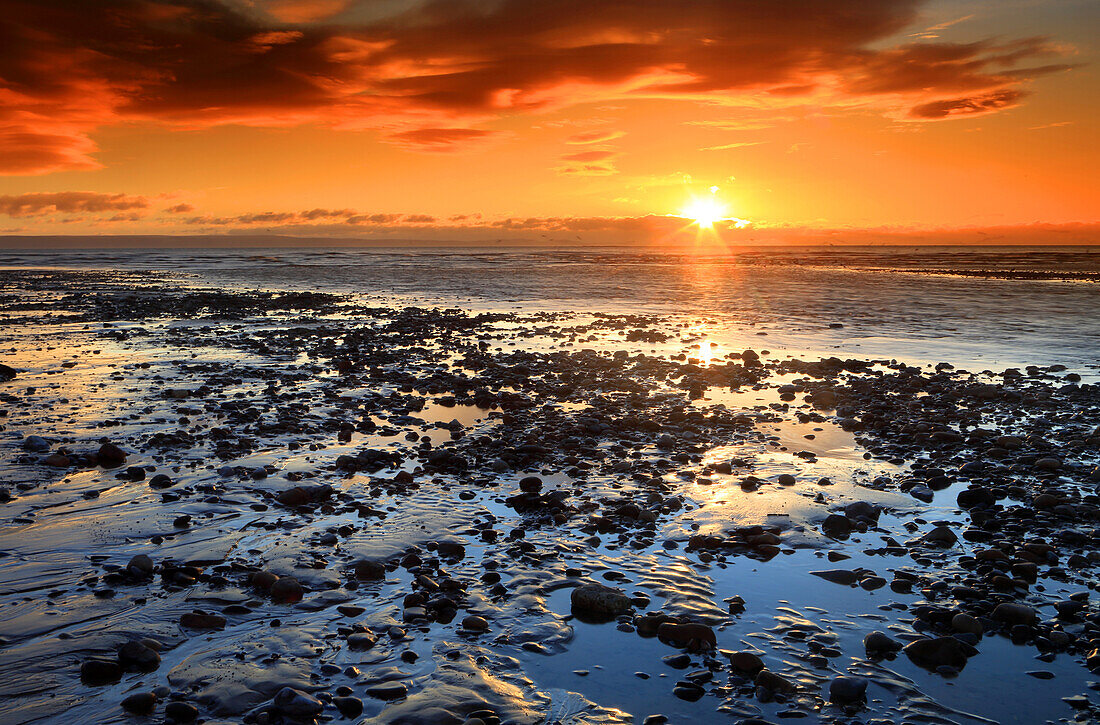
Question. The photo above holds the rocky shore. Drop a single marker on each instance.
(269, 507)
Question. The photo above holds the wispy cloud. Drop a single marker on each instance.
(735, 145)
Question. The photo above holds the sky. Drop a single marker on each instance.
(618, 121)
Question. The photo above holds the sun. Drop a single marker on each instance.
(705, 211)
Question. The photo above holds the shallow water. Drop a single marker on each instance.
(537, 662)
(910, 303)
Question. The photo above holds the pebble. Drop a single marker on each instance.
(297, 704)
(847, 690)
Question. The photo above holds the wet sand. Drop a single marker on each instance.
(269, 507)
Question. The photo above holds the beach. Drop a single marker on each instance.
(531, 486)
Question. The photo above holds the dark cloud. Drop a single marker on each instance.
(180, 209)
(986, 103)
(68, 67)
(68, 202)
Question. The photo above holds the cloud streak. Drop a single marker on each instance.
(69, 202)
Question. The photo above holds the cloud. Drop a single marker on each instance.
(304, 11)
(974, 105)
(587, 156)
(736, 145)
(439, 139)
(438, 67)
(588, 170)
(589, 137)
(68, 202)
(26, 150)
(180, 209)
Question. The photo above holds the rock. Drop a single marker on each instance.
(370, 570)
(879, 643)
(692, 636)
(599, 600)
(286, 590)
(938, 652)
(57, 460)
(530, 484)
(451, 550)
(36, 444)
(1048, 464)
(140, 703)
(688, 691)
(140, 566)
(350, 610)
(847, 690)
(975, 497)
(772, 682)
(746, 662)
(361, 641)
(839, 576)
(110, 456)
(181, 712)
(161, 481)
(137, 656)
(786, 479)
(296, 496)
(1012, 613)
(349, 707)
(863, 511)
(388, 691)
(922, 493)
(962, 622)
(263, 580)
(100, 672)
(197, 620)
(474, 623)
(297, 704)
(940, 536)
(871, 583)
(836, 526)
(7, 372)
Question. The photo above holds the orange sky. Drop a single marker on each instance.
(550, 119)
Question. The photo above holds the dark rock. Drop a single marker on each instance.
(598, 600)
(110, 456)
(286, 590)
(879, 643)
(138, 656)
(388, 691)
(140, 703)
(934, 653)
(847, 690)
(100, 672)
(349, 707)
(297, 704)
(836, 526)
(181, 712)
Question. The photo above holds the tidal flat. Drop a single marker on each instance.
(230, 505)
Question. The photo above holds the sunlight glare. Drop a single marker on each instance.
(705, 211)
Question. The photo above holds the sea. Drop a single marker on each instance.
(977, 308)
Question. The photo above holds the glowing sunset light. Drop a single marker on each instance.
(842, 122)
(705, 211)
